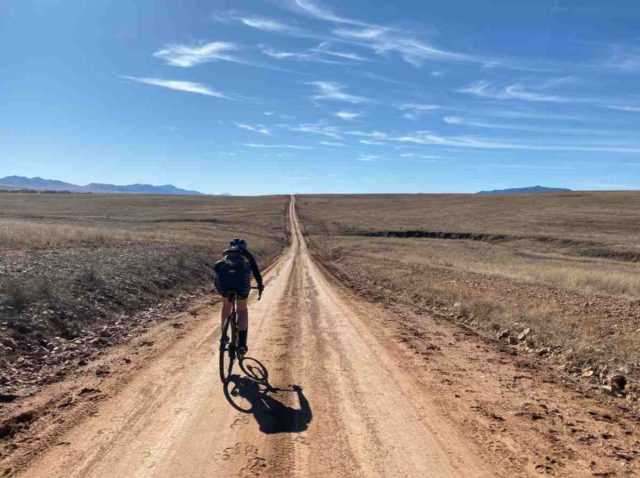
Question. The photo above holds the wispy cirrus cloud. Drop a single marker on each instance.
(624, 59)
(186, 56)
(316, 128)
(333, 144)
(385, 79)
(430, 138)
(538, 94)
(415, 110)
(368, 157)
(285, 55)
(627, 108)
(277, 146)
(376, 135)
(317, 10)
(347, 115)
(383, 40)
(305, 55)
(321, 54)
(536, 115)
(265, 24)
(258, 22)
(430, 157)
(258, 128)
(325, 48)
(386, 40)
(516, 91)
(458, 120)
(179, 85)
(333, 91)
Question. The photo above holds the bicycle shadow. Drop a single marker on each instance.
(254, 394)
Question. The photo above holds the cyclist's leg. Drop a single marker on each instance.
(225, 311)
(243, 321)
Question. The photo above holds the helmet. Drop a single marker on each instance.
(239, 244)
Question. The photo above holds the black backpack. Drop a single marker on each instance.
(232, 274)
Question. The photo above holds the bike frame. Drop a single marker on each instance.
(230, 322)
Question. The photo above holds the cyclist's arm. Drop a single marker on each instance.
(254, 268)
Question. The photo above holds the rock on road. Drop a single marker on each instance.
(360, 409)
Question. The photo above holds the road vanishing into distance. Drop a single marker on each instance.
(343, 399)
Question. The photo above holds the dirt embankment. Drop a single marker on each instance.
(578, 247)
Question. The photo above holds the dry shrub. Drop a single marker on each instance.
(16, 294)
(20, 293)
(90, 279)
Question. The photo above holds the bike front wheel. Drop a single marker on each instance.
(226, 352)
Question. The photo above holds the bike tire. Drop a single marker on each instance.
(226, 358)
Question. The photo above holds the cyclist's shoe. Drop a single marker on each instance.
(242, 343)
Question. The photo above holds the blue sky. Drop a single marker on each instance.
(279, 96)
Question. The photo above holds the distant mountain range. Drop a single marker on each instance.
(40, 184)
(526, 190)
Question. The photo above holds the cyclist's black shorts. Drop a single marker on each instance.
(240, 294)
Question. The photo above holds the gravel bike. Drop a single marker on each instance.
(229, 341)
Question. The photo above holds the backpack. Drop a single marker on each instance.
(232, 274)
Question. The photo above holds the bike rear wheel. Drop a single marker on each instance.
(227, 352)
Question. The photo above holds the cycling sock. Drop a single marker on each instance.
(242, 338)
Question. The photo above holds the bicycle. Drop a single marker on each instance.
(229, 345)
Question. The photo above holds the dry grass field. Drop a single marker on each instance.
(566, 266)
(76, 269)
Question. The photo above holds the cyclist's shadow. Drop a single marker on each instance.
(252, 393)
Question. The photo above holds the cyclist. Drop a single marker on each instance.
(238, 255)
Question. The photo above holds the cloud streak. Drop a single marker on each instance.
(255, 128)
(324, 48)
(484, 89)
(332, 144)
(413, 111)
(333, 91)
(624, 59)
(430, 138)
(457, 120)
(316, 10)
(285, 55)
(383, 40)
(321, 54)
(317, 128)
(347, 115)
(179, 85)
(187, 56)
(368, 157)
(277, 146)
(265, 24)
(627, 108)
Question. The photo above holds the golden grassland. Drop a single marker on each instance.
(74, 264)
(42, 221)
(564, 265)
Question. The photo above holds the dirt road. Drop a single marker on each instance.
(360, 409)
